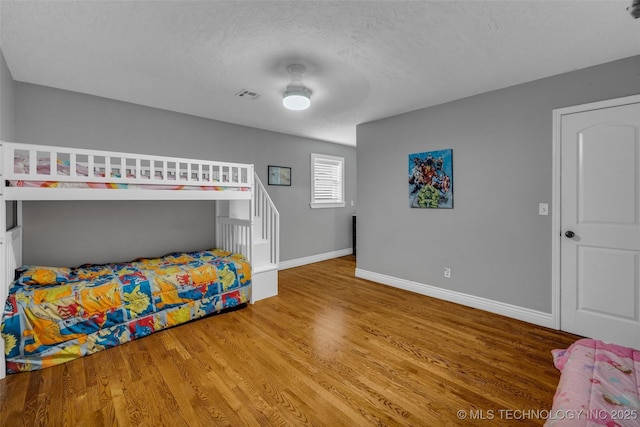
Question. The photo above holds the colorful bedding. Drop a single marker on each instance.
(54, 315)
(599, 385)
(115, 186)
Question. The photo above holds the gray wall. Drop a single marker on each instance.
(70, 233)
(494, 240)
(7, 114)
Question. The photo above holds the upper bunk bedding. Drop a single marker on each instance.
(54, 315)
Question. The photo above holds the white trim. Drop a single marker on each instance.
(314, 258)
(556, 219)
(556, 180)
(327, 205)
(598, 105)
(497, 307)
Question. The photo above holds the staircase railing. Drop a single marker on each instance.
(264, 209)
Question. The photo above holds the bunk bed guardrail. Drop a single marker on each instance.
(40, 162)
(11, 259)
(234, 235)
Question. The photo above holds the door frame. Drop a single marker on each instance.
(556, 194)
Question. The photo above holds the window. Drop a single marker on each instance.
(327, 181)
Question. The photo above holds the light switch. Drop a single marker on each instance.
(543, 209)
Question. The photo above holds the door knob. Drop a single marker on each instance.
(570, 234)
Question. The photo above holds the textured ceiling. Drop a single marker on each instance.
(365, 60)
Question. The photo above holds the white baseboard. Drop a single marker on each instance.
(513, 311)
(314, 258)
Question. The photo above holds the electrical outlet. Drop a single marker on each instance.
(447, 272)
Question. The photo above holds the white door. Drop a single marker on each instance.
(600, 225)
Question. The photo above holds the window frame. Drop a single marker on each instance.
(332, 203)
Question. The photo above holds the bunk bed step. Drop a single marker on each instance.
(261, 253)
(264, 283)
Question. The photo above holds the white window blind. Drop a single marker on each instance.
(327, 181)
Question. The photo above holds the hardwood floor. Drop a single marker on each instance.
(330, 350)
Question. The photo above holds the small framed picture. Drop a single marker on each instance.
(279, 175)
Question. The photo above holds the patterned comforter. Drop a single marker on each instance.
(54, 315)
(599, 385)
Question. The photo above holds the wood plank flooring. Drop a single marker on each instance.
(330, 350)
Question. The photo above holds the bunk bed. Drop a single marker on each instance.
(55, 314)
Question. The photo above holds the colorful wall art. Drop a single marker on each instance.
(431, 179)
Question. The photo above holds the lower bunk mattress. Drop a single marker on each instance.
(54, 315)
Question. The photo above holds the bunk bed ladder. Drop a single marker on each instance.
(254, 231)
(266, 243)
(266, 223)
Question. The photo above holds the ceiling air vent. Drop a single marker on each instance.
(249, 94)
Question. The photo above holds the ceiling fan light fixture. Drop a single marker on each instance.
(296, 96)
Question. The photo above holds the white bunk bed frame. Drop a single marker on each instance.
(247, 222)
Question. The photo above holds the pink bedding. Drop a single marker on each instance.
(599, 385)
